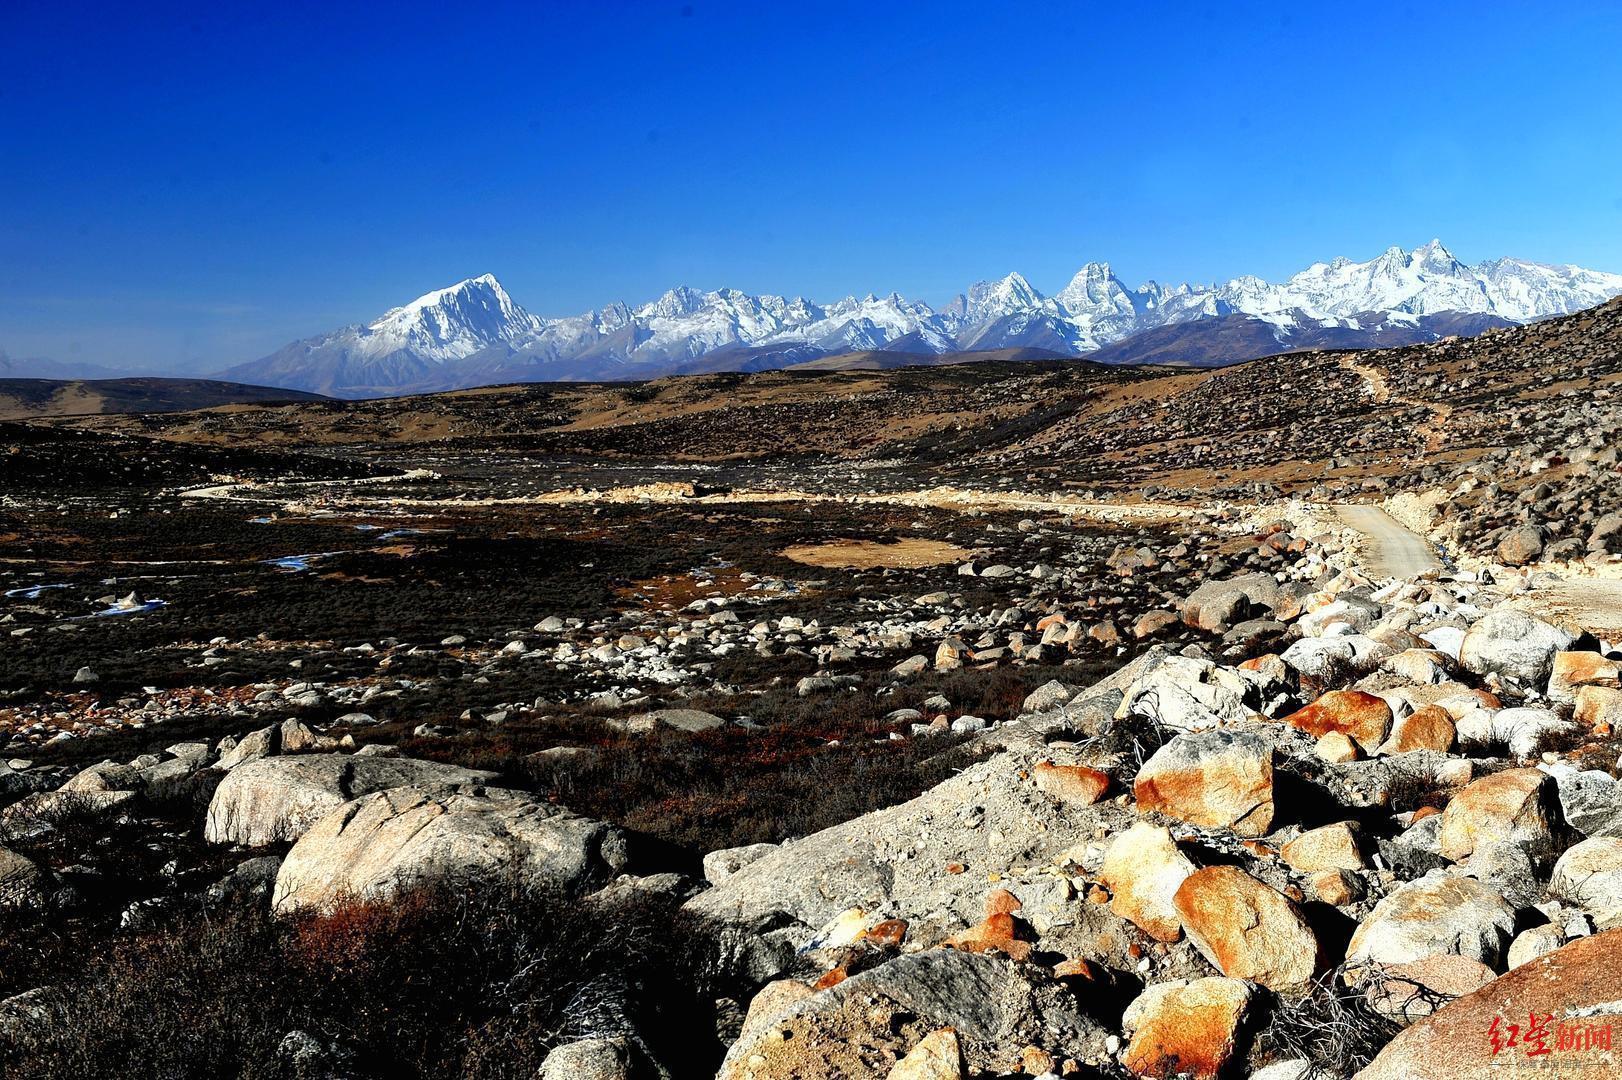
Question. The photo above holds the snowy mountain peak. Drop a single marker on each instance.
(675, 303)
(450, 323)
(1095, 292)
(473, 332)
(1435, 258)
(1093, 271)
(986, 300)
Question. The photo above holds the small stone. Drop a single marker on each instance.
(1336, 748)
(1338, 887)
(1332, 847)
(1426, 728)
(1002, 932)
(937, 1056)
(1077, 785)
(1535, 942)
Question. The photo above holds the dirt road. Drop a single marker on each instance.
(1392, 551)
(1584, 603)
(334, 495)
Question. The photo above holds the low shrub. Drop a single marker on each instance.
(441, 982)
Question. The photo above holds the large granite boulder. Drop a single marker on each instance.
(376, 844)
(1572, 994)
(1217, 605)
(1436, 915)
(926, 860)
(275, 799)
(1513, 643)
(1218, 778)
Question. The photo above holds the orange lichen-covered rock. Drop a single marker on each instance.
(1363, 718)
(1078, 967)
(1578, 669)
(1001, 901)
(833, 978)
(1246, 929)
(1599, 707)
(1183, 1028)
(1576, 983)
(1426, 728)
(1219, 778)
(1002, 932)
(887, 934)
(1074, 784)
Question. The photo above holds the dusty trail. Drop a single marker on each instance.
(1434, 430)
(1393, 551)
(939, 497)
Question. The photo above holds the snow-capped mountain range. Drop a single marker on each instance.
(473, 333)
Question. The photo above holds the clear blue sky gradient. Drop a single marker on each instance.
(199, 185)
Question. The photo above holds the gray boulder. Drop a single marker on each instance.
(1050, 695)
(376, 844)
(1180, 693)
(1589, 875)
(277, 798)
(1513, 643)
(589, 1059)
(1336, 660)
(251, 747)
(680, 719)
(250, 880)
(721, 865)
(104, 776)
(22, 884)
(1520, 546)
(993, 1004)
(986, 819)
(1439, 914)
(1218, 605)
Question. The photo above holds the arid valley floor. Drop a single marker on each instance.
(990, 720)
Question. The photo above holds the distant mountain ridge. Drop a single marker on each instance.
(39, 368)
(473, 333)
(29, 399)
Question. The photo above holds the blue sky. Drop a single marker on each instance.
(193, 186)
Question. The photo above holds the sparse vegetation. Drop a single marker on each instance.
(443, 982)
